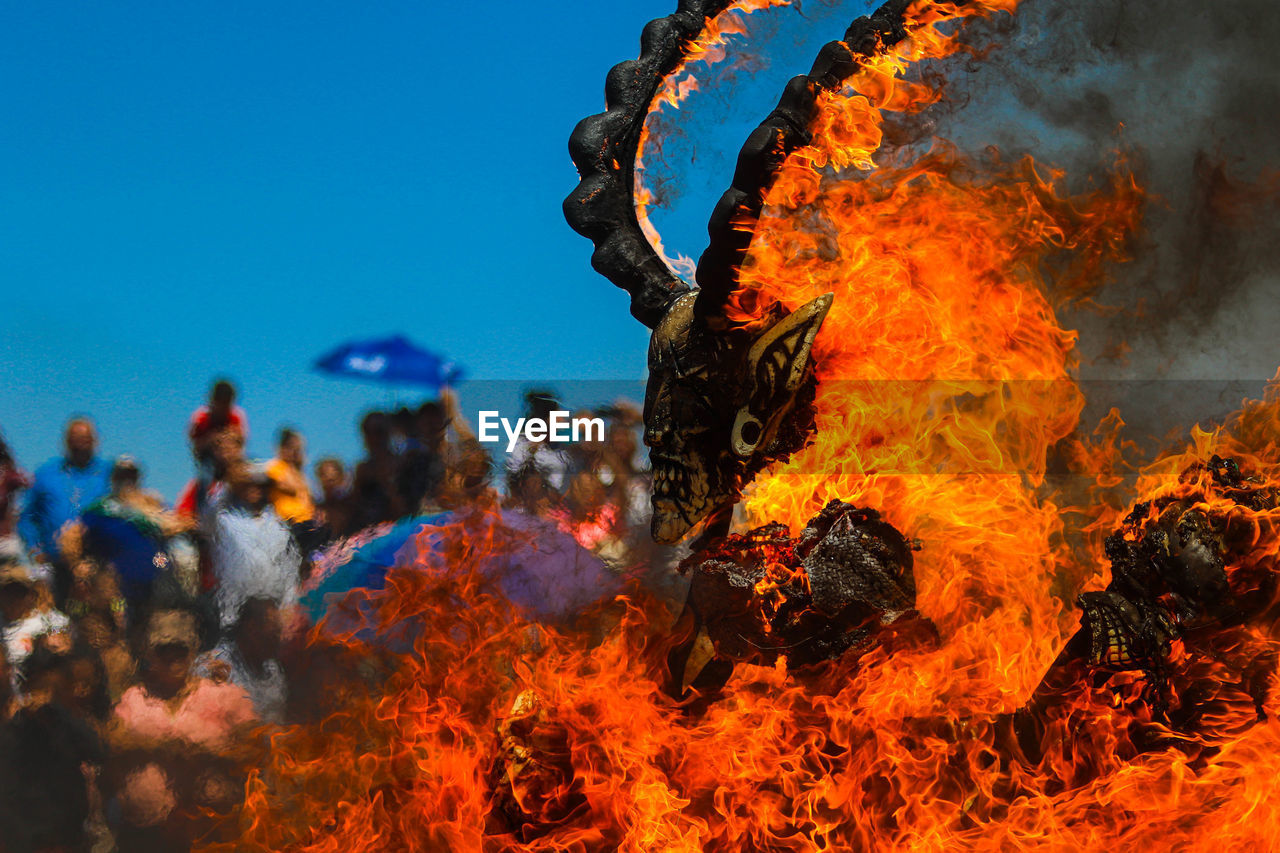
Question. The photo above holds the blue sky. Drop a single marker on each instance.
(197, 189)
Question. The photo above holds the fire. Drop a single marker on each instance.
(944, 373)
(710, 48)
(945, 384)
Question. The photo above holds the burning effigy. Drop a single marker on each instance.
(902, 631)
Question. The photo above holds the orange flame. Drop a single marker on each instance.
(711, 47)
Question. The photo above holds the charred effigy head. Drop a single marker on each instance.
(715, 405)
(726, 395)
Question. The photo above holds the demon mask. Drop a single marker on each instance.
(724, 397)
(714, 404)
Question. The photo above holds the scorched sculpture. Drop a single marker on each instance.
(724, 398)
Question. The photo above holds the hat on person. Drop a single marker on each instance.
(173, 626)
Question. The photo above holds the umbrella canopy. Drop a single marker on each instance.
(392, 361)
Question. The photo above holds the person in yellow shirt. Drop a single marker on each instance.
(290, 492)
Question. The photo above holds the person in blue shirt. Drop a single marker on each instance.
(61, 489)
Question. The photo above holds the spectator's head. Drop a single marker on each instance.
(169, 648)
(43, 677)
(332, 476)
(622, 441)
(376, 432)
(258, 629)
(291, 447)
(540, 403)
(467, 475)
(227, 450)
(429, 421)
(98, 629)
(222, 397)
(530, 490)
(125, 475)
(81, 441)
(402, 421)
(18, 592)
(250, 486)
(84, 684)
(586, 493)
(591, 443)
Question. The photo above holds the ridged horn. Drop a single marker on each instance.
(603, 147)
(734, 219)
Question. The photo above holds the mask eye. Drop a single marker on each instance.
(747, 432)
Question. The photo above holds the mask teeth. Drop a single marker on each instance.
(665, 479)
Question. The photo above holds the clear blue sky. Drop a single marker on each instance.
(196, 189)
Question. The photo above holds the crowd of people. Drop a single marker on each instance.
(145, 645)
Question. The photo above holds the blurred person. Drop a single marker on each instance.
(128, 529)
(249, 657)
(225, 450)
(54, 755)
(83, 692)
(403, 435)
(422, 463)
(252, 550)
(468, 478)
(335, 497)
(204, 493)
(12, 481)
(177, 742)
(93, 586)
(432, 420)
(375, 496)
(8, 678)
(29, 619)
(588, 452)
(78, 682)
(10, 781)
(590, 518)
(529, 492)
(100, 631)
(290, 492)
(60, 491)
(549, 459)
(467, 482)
(219, 414)
(622, 468)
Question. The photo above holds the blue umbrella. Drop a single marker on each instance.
(392, 361)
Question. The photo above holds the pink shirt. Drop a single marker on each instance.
(207, 717)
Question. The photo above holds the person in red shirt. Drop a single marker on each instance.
(218, 415)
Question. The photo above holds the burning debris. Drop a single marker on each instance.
(1169, 578)
(843, 585)
(1175, 636)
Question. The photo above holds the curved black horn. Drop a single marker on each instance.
(603, 147)
(786, 129)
